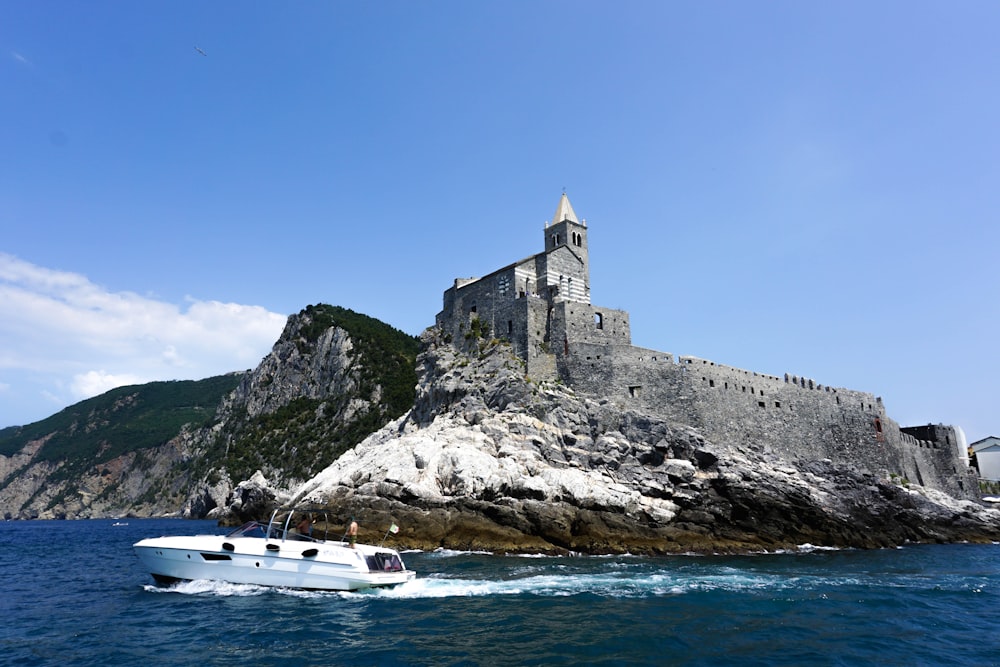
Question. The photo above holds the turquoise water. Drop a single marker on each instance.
(73, 593)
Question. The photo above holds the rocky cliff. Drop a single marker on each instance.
(131, 450)
(488, 459)
(333, 377)
(476, 456)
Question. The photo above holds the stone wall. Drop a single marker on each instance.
(574, 322)
(792, 417)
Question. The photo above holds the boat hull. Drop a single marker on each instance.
(287, 564)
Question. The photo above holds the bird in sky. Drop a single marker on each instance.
(200, 51)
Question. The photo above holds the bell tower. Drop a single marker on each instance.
(567, 260)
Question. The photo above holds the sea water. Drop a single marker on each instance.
(74, 593)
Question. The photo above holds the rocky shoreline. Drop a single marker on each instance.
(489, 460)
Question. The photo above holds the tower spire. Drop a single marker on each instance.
(564, 211)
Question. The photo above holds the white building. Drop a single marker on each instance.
(987, 453)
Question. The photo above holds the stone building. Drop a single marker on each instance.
(541, 306)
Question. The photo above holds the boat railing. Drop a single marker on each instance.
(286, 524)
(280, 528)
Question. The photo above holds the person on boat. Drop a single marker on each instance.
(352, 532)
(305, 526)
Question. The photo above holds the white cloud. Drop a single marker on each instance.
(64, 336)
(171, 357)
(19, 58)
(93, 383)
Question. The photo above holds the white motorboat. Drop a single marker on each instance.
(278, 553)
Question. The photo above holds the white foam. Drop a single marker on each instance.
(450, 553)
(204, 586)
(535, 556)
(549, 585)
(226, 589)
(806, 548)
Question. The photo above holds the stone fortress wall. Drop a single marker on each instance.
(541, 305)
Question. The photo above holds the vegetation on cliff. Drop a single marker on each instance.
(115, 451)
(123, 420)
(332, 378)
(387, 355)
(343, 404)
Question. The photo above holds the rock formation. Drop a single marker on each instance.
(482, 458)
(333, 377)
(488, 459)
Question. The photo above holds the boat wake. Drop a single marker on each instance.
(542, 585)
(615, 583)
(451, 575)
(226, 589)
(624, 583)
(547, 585)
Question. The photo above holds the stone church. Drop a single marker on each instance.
(541, 306)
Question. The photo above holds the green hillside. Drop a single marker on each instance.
(122, 420)
(83, 444)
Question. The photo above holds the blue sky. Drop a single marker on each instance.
(796, 187)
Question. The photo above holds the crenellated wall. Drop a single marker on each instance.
(794, 417)
(541, 305)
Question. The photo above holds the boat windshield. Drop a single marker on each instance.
(249, 529)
